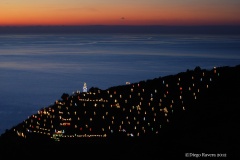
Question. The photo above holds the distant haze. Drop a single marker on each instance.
(225, 29)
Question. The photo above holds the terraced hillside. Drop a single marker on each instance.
(190, 112)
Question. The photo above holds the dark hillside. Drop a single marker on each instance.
(193, 112)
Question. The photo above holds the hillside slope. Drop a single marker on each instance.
(190, 112)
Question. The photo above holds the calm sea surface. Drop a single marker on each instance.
(35, 70)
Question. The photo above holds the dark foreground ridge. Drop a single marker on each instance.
(190, 114)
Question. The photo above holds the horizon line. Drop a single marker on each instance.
(133, 25)
(162, 29)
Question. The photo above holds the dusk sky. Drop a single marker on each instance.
(119, 12)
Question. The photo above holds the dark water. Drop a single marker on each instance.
(36, 69)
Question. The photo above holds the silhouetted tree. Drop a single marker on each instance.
(94, 89)
(197, 69)
(65, 96)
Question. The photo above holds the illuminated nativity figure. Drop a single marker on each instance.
(85, 87)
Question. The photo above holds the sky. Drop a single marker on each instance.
(119, 12)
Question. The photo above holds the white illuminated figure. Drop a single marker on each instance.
(85, 87)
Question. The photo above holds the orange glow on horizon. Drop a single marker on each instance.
(39, 14)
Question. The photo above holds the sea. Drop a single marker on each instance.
(36, 69)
